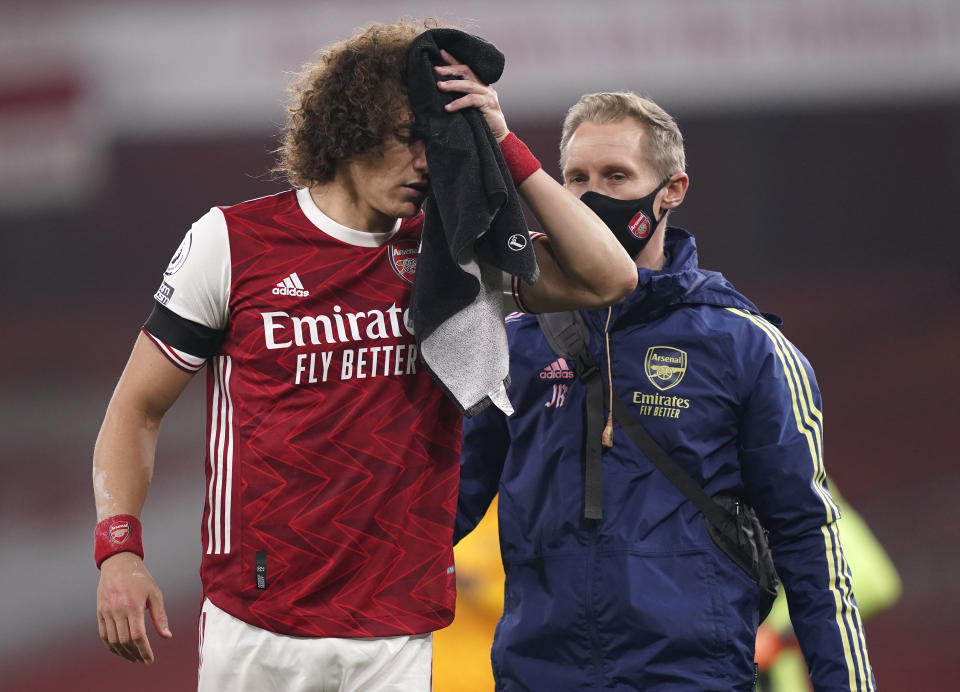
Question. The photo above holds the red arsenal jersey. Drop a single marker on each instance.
(332, 457)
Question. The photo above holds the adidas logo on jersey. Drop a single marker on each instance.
(557, 370)
(291, 286)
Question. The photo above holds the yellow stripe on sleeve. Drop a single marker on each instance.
(808, 418)
(809, 421)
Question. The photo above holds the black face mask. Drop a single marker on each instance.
(631, 220)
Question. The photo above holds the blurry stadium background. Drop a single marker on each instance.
(823, 145)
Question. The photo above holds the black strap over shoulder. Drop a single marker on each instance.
(670, 468)
(732, 529)
(567, 335)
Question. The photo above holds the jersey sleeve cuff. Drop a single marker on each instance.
(186, 344)
(511, 286)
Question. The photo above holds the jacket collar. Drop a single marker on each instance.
(680, 282)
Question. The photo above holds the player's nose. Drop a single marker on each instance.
(419, 150)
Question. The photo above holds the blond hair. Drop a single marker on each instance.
(664, 145)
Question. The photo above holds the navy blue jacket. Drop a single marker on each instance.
(642, 599)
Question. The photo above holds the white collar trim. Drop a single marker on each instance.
(351, 236)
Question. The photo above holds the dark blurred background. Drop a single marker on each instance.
(823, 142)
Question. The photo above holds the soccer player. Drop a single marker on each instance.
(332, 456)
(616, 583)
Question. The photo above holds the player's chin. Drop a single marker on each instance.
(409, 207)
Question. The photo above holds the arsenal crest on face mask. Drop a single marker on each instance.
(631, 220)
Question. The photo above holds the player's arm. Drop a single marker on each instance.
(581, 263)
(123, 461)
(482, 456)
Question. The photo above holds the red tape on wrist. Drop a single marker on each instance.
(520, 161)
(121, 533)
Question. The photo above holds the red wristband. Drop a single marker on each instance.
(121, 533)
(520, 161)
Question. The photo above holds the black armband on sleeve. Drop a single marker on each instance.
(180, 333)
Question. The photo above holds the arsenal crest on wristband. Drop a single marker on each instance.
(121, 533)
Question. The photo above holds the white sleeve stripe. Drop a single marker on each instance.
(220, 488)
(229, 488)
(181, 359)
(221, 439)
(211, 452)
(221, 433)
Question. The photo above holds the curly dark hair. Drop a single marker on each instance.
(347, 101)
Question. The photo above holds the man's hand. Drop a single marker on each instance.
(125, 592)
(477, 94)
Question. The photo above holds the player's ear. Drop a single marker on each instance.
(674, 191)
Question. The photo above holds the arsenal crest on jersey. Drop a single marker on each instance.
(403, 258)
(665, 366)
(119, 531)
